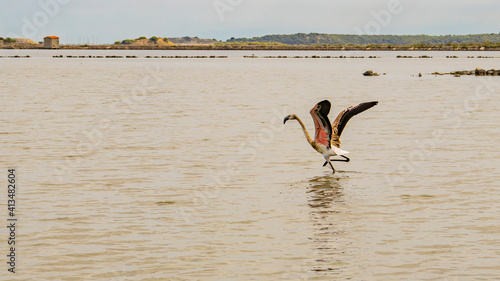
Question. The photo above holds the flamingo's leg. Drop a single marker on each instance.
(346, 159)
(333, 169)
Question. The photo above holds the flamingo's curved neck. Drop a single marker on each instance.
(308, 137)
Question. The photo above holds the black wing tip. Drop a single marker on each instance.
(324, 107)
(366, 105)
(325, 103)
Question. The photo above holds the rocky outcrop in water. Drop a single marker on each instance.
(480, 72)
(370, 73)
(477, 72)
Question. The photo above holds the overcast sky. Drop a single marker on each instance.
(107, 21)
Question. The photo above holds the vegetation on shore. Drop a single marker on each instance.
(347, 39)
(7, 40)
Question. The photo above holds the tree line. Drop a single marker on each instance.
(343, 39)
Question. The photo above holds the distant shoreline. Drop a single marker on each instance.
(242, 47)
(285, 42)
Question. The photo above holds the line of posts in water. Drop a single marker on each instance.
(252, 56)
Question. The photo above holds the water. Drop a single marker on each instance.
(181, 169)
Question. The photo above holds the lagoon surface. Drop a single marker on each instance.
(182, 169)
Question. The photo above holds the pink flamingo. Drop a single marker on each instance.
(327, 136)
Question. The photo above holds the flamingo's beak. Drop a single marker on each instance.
(286, 119)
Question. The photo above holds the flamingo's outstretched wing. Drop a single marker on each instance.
(322, 124)
(344, 116)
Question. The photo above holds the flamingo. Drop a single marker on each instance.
(327, 136)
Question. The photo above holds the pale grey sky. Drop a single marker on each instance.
(106, 21)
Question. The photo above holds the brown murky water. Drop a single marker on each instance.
(181, 169)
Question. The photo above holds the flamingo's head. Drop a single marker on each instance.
(290, 117)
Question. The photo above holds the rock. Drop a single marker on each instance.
(480, 72)
(460, 72)
(370, 73)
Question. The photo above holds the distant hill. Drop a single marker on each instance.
(145, 42)
(342, 39)
(21, 41)
(162, 42)
(25, 41)
(192, 41)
